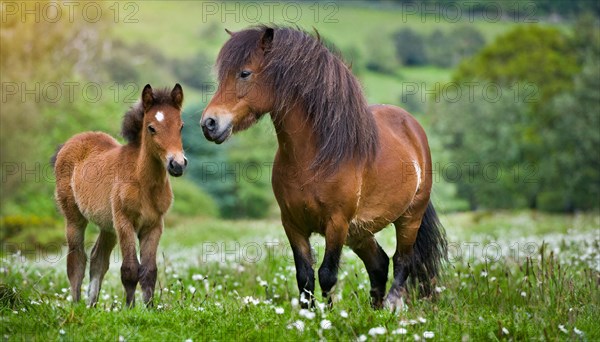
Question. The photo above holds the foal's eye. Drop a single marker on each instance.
(245, 74)
(151, 129)
(181, 128)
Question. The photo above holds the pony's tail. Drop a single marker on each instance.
(430, 250)
(53, 158)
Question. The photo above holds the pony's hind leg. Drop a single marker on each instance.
(100, 260)
(376, 262)
(403, 259)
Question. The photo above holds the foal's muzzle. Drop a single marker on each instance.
(176, 168)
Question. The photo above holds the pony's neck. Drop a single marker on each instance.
(296, 139)
(149, 168)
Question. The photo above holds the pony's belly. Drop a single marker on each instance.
(93, 198)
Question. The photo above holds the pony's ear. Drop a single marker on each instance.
(147, 97)
(266, 41)
(177, 95)
(229, 32)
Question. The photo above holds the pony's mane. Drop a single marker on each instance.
(302, 70)
(134, 118)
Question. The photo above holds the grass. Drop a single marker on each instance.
(522, 275)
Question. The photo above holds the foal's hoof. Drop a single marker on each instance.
(395, 301)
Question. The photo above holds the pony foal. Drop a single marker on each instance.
(124, 189)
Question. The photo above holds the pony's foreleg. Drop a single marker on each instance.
(305, 275)
(130, 265)
(100, 259)
(377, 264)
(335, 237)
(148, 270)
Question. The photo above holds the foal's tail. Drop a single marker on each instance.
(430, 249)
(53, 158)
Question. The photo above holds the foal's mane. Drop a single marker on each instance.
(133, 120)
(302, 70)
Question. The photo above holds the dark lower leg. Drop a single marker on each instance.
(335, 236)
(148, 270)
(377, 263)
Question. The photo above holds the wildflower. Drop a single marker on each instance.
(189, 340)
(307, 314)
(121, 338)
(377, 331)
(422, 320)
(61, 331)
(577, 331)
(279, 311)
(344, 314)
(295, 302)
(325, 324)
(523, 294)
(400, 331)
(298, 325)
(192, 289)
(428, 334)
(484, 274)
(562, 328)
(362, 338)
(417, 337)
(505, 331)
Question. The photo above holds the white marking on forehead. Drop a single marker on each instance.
(159, 116)
(418, 171)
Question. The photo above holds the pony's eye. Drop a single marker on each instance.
(151, 129)
(245, 74)
(181, 128)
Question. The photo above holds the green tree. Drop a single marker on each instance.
(545, 148)
(410, 47)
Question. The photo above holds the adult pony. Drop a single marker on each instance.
(343, 169)
(125, 190)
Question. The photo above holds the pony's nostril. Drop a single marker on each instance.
(171, 164)
(210, 124)
(185, 162)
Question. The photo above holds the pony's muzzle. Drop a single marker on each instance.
(176, 168)
(216, 129)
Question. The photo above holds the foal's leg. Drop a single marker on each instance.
(305, 275)
(335, 237)
(76, 258)
(130, 265)
(376, 263)
(75, 232)
(147, 272)
(406, 235)
(100, 259)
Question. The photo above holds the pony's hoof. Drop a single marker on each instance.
(395, 301)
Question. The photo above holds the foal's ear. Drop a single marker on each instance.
(266, 41)
(177, 95)
(147, 97)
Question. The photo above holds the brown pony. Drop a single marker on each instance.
(343, 169)
(125, 190)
